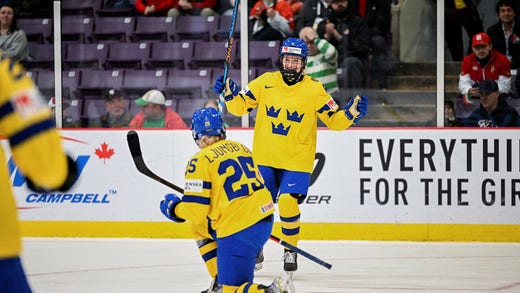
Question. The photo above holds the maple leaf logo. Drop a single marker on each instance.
(104, 152)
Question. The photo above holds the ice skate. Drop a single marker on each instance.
(259, 260)
(281, 285)
(214, 287)
(290, 263)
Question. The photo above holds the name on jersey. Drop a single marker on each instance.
(222, 149)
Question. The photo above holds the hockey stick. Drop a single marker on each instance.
(135, 149)
(231, 39)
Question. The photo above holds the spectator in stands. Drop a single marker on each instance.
(116, 113)
(193, 7)
(483, 63)
(322, 61)
(493, 110)
(67, 120)
(225, 7)
(505, 34)
(450, 117)
(378, 16)
(349, 33)
(269, 15)
(459, 14)
(313, 12)
(13, 41)
(119, 4)
(155, 113)
(153, 7)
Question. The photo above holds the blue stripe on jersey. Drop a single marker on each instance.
(206, 184)
(290, 232)
(30, 131)
(246, 287)
(290, 219)
(209, 255)
(250, 95)
(6, 109)
(196, 199)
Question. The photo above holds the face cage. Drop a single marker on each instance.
(292, 75)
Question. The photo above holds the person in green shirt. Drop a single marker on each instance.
(155, 113)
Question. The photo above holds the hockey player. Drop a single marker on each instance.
(223, 188)
(284, 145)
(26, 122)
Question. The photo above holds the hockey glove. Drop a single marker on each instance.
(168, 206)
(231, 87)
(356, 108)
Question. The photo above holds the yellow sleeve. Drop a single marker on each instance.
(26, 121)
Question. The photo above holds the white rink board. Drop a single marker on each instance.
(415, 162)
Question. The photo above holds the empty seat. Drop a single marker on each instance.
(38, 30)
(137, 82)
(188, 83)
(342, 77)
(83, 7)
(91, 56)
(171, 55)
(224, 26)
(195, 27)
(128, 55)
(76, 29)
(94, 83)
(186, 107)
(261, 54)
(110, 29)
(40, 56)
(211, 54)
(45, 83)
(155, 28)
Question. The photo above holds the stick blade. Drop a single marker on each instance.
(133, 143)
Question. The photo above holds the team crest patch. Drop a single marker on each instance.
(28, 102)
(193, 185)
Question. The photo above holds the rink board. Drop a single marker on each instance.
(368, 184)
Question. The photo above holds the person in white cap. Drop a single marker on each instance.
(155, 114)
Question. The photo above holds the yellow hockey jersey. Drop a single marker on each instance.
(25, 120)
(287, 119)
(223, 184)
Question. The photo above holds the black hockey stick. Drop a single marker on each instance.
(231, 39)
(135, 149)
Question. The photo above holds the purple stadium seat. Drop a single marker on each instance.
(45, 83)
(91, 56)
(38, 30)
(195, 28)
(113, 29)
(224, 25)
(261, 54)
(153, 29)
(137, 82)
(171, 55)
(80, 7)
(41, 56)
(188, 83)
(186, 107)
(211, 54)
(341, 72)
(94, 83)
(76, 29)
(128, 55)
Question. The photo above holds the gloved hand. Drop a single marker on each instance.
(167, 206)
(231, 88)
(356, 108)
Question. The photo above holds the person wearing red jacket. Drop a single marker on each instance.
(155, 114)
(483, 63)
(153, 7)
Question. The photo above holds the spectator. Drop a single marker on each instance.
(155, 114)
(67, 120)
(193, 7)
(153, 7)
(349, 33)
(483, 63)
(313, 12)
(450, 117)
(493, 110)
(268, 15)
(13, 41)
(322, 61)
(37, 151)
(459, 14)
(225, 7)
(116, 114)
(378, 17)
